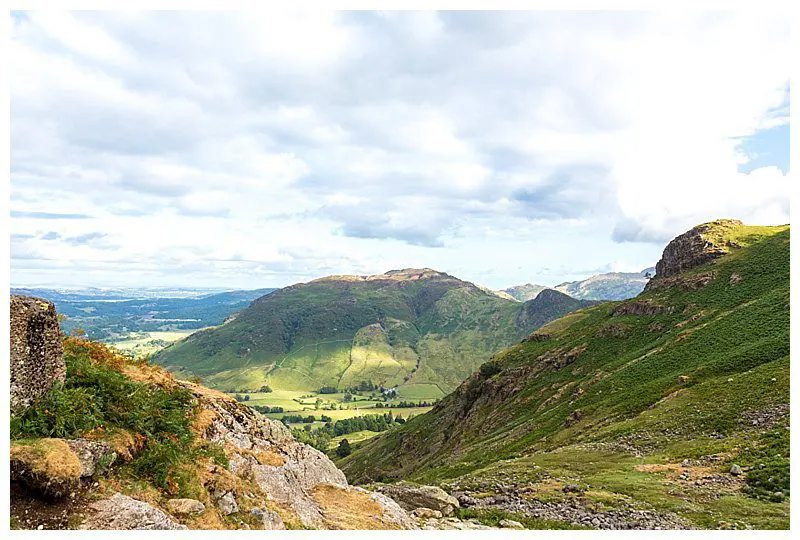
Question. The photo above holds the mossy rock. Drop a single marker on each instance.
(48, 467)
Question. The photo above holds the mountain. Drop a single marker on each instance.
(526, 292)
(105, 313)
(675, 403)
(611, 286)
(419, 330)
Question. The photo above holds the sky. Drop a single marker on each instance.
(260, 150)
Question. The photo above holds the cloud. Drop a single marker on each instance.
(84, 239)
(381, 138)
(47, 215)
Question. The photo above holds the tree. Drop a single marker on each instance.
(343, 450)
(348, 397)
(238, 397)
(247, 397)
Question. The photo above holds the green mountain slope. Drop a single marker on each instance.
(646, 402)
(420, 330)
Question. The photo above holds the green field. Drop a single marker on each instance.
(142, 344)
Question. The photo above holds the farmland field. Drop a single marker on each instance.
(142, 344)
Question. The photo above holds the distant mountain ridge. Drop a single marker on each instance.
(420, 330)
(103, 313)
(610, 286)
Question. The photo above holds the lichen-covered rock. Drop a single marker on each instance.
(425, 513)
(641, 308)
(510, 524)
(270, 519)
(696, 247)
(37, 355)
(227, 504)
(289, 473)
(411, 497)
(121, 512)
(46, 467)
(348, 508)
(185, 506)
(95, 456)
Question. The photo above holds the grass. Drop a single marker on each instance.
(147, 343)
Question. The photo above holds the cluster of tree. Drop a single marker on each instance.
(320, 437)
(368, 422)
(343, 450)
(265, 409)
(406, 404)
(363, 386)
(297, 419)
(240, 397)
(265, 389)
(320, 440)
(328, 390)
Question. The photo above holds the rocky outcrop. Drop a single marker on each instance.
(94, 456)
(185, 506)
(121, 512)
(37, 356)
(411, 497)
(641, 308)
(293, 475)
(269, 519)
(537, 336)
(559, 358)
(696, 247)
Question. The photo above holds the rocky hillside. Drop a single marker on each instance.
(421, 331)
(99, 441)
(666, 410)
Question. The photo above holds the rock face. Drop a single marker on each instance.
(94, 456)
(185, 506)
(293, 475)
(412, 497)
(37, 356)
(271, 520)
(121, 512)
(694, 248)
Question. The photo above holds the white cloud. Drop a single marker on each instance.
(304, 143)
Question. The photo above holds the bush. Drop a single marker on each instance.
(343, 450)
